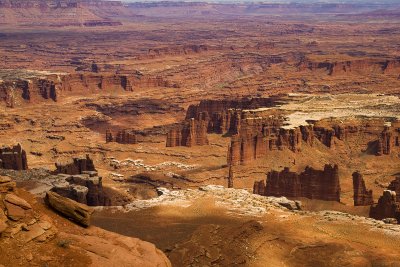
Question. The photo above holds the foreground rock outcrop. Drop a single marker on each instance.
(86, 188)
(314, 184)
(13, 158)
(387, 207)
(33, 235)
(78, 212)
(362, 196)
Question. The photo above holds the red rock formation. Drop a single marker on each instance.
(54, 86)
(259, 188)
(387, 207)
(362, 196)
(109, 136)
(191, 133)
(230, 177)
(76, 166)
(360, 66)
(311, 183)
(13, 158)
(395, 186)
(388, 140)
(125, 137)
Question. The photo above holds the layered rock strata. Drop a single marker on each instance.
(77, 165)
(387, 207)
(362, 196)
(121, 137)
(314, 184)
(55, 86)
(258, 136)
(86, 188)
(191, 133)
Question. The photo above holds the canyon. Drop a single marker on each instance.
(199, 134)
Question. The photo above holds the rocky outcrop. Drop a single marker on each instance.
(73, 210)
(77, 165)
(257, 136)
(191, 133)
(357, 66)
(25, 223)
(84, 188)
(13, 158)
(314, 184)
(122, 137)
(224, 116)
(217, 106)
(389, 140)
(387, 207)
(362, 196)
(52, 87)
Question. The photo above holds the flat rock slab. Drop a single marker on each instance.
(33, 232)
(13, 199)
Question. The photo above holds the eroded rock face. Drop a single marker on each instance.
(362, 196)
(84, 188)
(314, 184)
(389, 139)
(191, 133)
(75, 166)
(122, 137)
(73, 210)
(387, 207)
(365, 66)
(13, 158)
(42, 87)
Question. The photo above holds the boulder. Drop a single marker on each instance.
(14, 212)
(13, 199)
(71, 209)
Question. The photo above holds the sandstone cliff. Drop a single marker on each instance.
(314, 184)
(122, 137)
(86, 188)
(191, 133)
(77, 165)
(387, 207)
